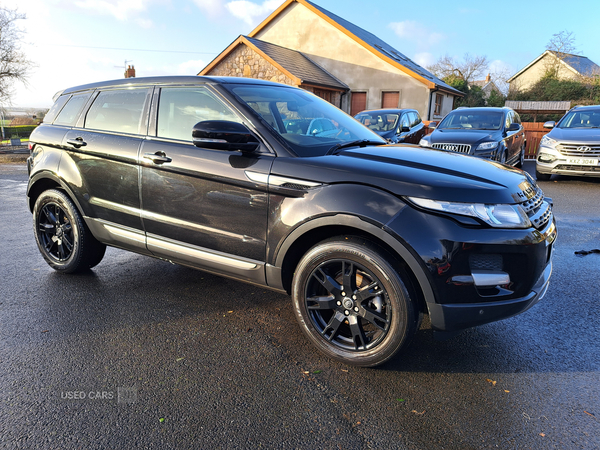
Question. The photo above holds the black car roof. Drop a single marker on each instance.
(183, 79)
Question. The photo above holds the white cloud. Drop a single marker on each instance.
(424, 59)
(210, 7)
(191, 67)
(417, 33)
(250, 12)
(120, 9)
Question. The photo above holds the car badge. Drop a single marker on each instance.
(583, 149)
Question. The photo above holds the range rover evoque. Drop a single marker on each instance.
(216, 174)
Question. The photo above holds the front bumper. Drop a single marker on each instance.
(561, 165)
(457, 317)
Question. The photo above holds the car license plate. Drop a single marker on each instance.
(583, 161)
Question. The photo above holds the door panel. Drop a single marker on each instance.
(203, 198)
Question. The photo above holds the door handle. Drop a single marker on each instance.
(158, 157)
(77, 142)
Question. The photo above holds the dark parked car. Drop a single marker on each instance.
(573, 145)
(491, 133)
(394, 125)
(365, 237)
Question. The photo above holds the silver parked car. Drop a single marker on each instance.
(572, 147)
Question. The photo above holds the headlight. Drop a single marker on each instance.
(424, 143)
(487, 146)
(546, 158)
(547, 141)
(498, 216)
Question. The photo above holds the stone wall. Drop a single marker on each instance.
(245, 62)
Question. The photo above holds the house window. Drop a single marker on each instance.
(359, 103)
(390, 99)
(438, 104)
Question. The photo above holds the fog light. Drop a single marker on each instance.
(546, 158)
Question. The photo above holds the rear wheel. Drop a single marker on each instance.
(62, 236)
(352, 303)
(521, 161)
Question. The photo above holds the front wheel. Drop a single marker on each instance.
(542, 176)
(62, 236)
(352, 303)
(521, 162)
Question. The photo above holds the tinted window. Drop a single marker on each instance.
(180, 109)
(56, 107)
(415, 119)
(473, 120)
(405, 121)
(119, 111)
(516, 118)
(70, 113)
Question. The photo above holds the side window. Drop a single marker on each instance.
(56, 107)
(508, 119)
(404, 121)
(117, 110)
(180, 109)
(415, 119)
(516, 118)
(70, 113)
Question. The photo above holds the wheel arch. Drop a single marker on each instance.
(307, 235)
(43, 181)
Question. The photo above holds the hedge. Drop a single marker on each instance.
(18, 131)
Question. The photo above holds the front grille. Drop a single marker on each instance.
(577, 168)
(579, 150)
(459, 148)
(538, 210)
(486, 261)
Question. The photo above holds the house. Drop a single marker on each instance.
(487, 86)
(567, 66)
(304, 45)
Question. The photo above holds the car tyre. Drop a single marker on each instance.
(521, 162)
(352, 302)
(542, 176)
(63, 238)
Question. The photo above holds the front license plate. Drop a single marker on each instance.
(583, 161)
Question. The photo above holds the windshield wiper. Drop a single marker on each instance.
(358, 143)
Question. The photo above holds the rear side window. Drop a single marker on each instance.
(117, 110)
(180, 109)
(69, 114)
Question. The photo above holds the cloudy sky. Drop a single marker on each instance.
(75, 42)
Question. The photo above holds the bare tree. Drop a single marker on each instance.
(561, 45)
(14, 66)
(469, 69)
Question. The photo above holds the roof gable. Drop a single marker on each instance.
(369, 41)
(297, 66)
(578, 64)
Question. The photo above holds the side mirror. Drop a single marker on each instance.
(432, 125)
(549, 124)
(404, 130)
(224, 135)
(514, 127)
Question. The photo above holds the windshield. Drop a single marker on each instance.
(310, 125)
(379, 121)
(588, 118)
(472, 120)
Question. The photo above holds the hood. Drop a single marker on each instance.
(406, 170)
(465, 136)
(576, 135)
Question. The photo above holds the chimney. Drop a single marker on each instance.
(487, 79)
(130, 72)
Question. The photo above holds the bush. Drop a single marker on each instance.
(19, 131)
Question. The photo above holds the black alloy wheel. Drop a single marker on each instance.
(352, 302)
(62, 236)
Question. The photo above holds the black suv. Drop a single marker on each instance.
(492, 133)
(394, 125)
(218, 174)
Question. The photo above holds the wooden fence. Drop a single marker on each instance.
(534, 131)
